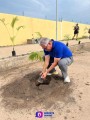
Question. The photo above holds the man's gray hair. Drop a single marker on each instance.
(44, 41)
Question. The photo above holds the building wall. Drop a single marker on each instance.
(47, 28)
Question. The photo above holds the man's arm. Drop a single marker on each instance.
(54, 64)
(46, 63)
(56, 60)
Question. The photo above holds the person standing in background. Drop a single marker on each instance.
(76, 32)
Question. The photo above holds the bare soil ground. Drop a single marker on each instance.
(20, 99)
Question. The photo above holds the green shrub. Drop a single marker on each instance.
(67, 37)
(36, 56)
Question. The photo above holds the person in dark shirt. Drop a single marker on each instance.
(76, 32)
(56, 53)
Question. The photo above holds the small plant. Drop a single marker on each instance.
(67, 38)
(36, 56)
(79, 41)
(85, 30)
(14, 34)
(84, 36)
(39, 34)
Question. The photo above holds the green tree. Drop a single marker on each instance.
(12, 24)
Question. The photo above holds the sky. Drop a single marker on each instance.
(68, 10)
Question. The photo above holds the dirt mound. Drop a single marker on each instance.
(23, 93)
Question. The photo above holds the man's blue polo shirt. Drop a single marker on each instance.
(59, 50)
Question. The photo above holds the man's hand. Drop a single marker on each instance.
(44, 75)
(41, 73)
(47, 58)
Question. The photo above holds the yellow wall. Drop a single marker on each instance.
(47, 28)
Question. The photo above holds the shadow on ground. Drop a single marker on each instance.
(22, 93)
